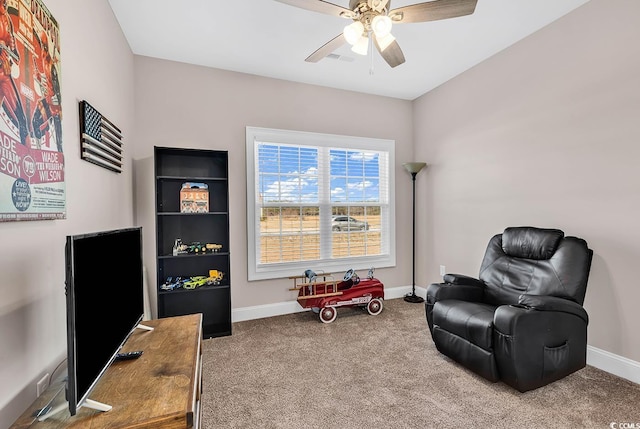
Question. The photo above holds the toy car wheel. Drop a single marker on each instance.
(328, 314)
(375, 306)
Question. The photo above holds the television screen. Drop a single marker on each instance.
(104, 286)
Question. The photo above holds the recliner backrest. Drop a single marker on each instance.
(535, 261)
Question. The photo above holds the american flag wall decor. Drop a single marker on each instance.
(101, 139)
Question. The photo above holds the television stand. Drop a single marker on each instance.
(161, 389)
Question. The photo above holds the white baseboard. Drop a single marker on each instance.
(290, 307)
(267, 310)
(602, 359)
(614, 364)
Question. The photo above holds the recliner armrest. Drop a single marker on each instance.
(460, 279)
(463, 292)
(443, 291)
(539, 344)
(553, 303)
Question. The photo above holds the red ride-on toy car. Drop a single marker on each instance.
(323, 294)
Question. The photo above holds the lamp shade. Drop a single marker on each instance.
(381, 25)
(353, 32)
(414, 167)
(361, 46)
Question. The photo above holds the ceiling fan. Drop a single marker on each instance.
(372, 22)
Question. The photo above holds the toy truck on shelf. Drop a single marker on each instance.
(180, 248)
(323, 294)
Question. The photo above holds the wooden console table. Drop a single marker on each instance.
(159, 390)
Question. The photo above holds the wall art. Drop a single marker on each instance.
(101, 139)
(32, 182)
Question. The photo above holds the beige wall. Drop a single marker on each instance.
(97, 65)
(546, 133)
(195, 107)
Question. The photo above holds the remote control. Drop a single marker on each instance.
(129, 355)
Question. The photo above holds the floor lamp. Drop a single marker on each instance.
(414, 168)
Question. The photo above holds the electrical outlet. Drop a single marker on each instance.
(42, 384)
(443, 270)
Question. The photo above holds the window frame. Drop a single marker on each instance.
(256, 271)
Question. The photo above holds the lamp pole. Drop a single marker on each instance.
(414, 168)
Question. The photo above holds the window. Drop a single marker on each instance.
(318, 201)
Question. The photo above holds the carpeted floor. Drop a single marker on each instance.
(383, 371)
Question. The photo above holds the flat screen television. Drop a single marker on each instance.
(105, 303)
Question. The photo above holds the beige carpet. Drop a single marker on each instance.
(383, 371)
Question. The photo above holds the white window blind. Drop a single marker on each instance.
(318, 201)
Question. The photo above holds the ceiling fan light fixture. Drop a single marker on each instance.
(361, 47)
(353, 32)
(396, 16)
(381, 25)
(377, 5)
(385, 41)
(372, 22)
(348, 14)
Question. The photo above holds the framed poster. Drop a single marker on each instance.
(32, 183)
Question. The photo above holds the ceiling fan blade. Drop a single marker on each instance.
(433, 11)
(392, 54)
(321, 7)
(327, 48)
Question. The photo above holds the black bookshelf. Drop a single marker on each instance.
(173, 167)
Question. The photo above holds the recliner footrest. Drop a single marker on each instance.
(462, 351)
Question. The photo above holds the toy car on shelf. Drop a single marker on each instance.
(195, 282)
(172, 283)
(323, 295)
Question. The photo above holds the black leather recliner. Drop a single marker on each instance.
(522, 320)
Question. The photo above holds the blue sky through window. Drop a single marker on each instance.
(355, 176)
(290, 174)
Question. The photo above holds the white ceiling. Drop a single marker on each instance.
(268, 38)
